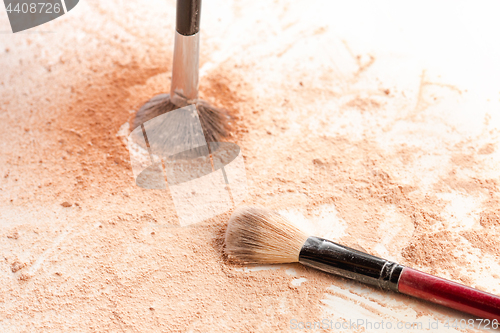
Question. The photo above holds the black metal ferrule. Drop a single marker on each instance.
(350, 263)
(188, 17)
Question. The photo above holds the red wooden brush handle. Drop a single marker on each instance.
(450, 294)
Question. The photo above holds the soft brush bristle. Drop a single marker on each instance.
(216, 122)
(257, 235)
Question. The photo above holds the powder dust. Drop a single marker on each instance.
(179, 280)
(118, 261)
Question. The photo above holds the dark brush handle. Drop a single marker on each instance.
(188, 17)
(341, 260)
(186, 64)
(353, 264)
(448, 293)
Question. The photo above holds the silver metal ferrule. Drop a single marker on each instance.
(185, 70)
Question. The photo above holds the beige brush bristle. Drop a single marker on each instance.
(257, 235)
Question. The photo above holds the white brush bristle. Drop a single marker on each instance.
(257, 235)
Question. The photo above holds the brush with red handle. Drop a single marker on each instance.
(260, 236)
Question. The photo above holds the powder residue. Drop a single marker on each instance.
(84, 248)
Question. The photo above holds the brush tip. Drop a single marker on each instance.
(153, 108)
(256, 235)
(216, 122)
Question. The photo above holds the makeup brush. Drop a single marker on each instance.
(215, 121)
(257, 235)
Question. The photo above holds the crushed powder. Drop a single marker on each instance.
(124, 265)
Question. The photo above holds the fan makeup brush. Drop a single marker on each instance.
(215, 122)
(257, 235)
